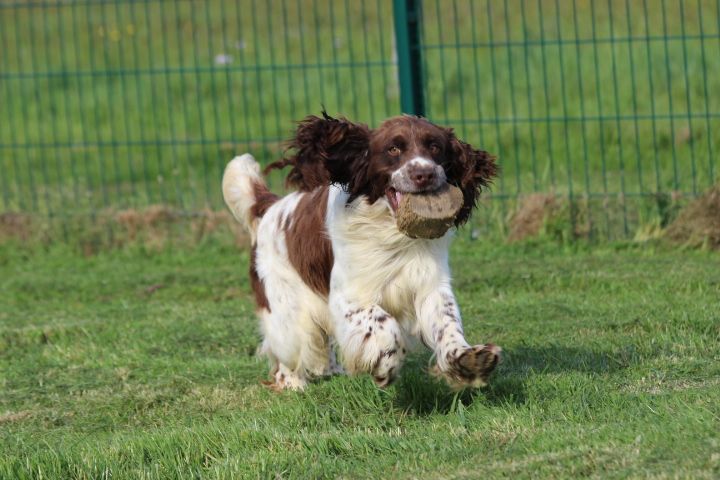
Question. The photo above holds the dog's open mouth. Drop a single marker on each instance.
(394, 197)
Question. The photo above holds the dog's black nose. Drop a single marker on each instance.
(422, 177)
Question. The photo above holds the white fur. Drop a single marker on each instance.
(384, 288)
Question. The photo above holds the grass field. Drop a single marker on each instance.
(116, 104)
(141, 364)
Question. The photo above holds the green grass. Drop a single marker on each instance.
(133, 364)
(122, 103)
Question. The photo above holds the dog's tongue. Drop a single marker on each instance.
(398, 197)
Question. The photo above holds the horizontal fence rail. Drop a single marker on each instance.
(611, 106)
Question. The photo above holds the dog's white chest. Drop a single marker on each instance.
(377, 264)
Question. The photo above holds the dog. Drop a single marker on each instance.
(328, 266)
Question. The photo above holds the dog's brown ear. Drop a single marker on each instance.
(469, 169)
(325, 150)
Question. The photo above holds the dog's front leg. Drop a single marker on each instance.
(370, 339)
(460, 364)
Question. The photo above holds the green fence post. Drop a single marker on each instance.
(406, 14)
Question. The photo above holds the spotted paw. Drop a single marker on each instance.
(285, 379)
(471, 366)
(387, 366)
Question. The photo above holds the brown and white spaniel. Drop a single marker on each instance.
(329, 268)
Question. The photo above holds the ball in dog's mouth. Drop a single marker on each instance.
(426, 215)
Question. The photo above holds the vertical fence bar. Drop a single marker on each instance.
(25, 117)
(114, 135)
(601, 118)
(214, 101)
(170, 116)
(671, 110)
(273, 66)
(15, 148)
(458, 64)
(386, 85)
(407, 37)
(443, 69)
(286, 45)
(631, 54)
(583, 122)
(548, 128)
(320, 70)
(83, 123)
(566, 118)
(708, 134)
(513, 102)
(476, 64)
(125, 115)
(496, 102)
(691, 136)
(303, 58)
(651, 84)
(368, 72)
(198, 100)
(528, 85)
(351, 51)
(621, 159)
(336, 70)
(125, 103)
(258, 75)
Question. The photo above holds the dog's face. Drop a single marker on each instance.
(404, 154)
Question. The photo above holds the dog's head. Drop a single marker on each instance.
(404, 154)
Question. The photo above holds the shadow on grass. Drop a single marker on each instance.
(421, 394)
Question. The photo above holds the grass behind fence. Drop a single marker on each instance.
(114, 104)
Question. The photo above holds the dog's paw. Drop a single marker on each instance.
(285, 379)
(469, 367)
(387, 366)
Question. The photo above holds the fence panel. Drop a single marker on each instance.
(611, 103)
(110, 104)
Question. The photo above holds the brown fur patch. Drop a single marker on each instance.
(264, 199)
(309, 247)
(256, 283)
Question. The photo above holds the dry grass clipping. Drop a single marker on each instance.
(15, 226)
(699, 223)
(530, 216)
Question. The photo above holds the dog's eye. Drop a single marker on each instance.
(434, 148)
(394, 151)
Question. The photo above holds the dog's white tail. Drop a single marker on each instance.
(245, 192)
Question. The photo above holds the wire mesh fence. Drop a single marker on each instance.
(112, 104)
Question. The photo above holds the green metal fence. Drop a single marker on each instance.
(114, 104)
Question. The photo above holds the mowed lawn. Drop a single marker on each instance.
(132, 364)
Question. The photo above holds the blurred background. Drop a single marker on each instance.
(607, 111)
